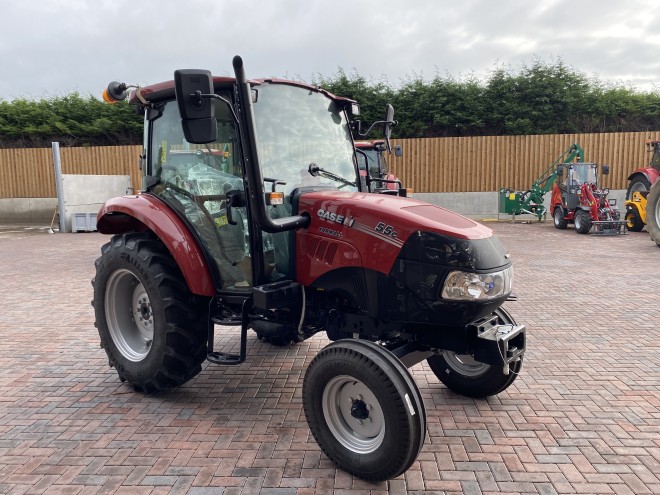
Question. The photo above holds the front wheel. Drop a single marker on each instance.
(364, 409)
(582, 222)
(466, 376)
(634, 222)
(153, 329)
(558, 218)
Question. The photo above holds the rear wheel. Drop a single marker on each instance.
(364, 409)
(465, 376)
(653, 212)
(558, 217)
(633, 220)
(153, 329)
(582, 222)
(637, 183)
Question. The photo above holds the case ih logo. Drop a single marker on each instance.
(333, 217)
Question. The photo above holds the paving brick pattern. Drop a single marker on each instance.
(582, 417)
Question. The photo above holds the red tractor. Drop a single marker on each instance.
(275, 235)
(373, 166)
(643, 178)
(577, 198)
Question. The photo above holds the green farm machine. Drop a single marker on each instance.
(530, 202)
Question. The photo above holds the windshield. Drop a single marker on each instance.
(297, 127)
(583, 173)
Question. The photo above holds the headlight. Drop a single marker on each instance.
(466, 286)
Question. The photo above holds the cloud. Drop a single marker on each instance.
(53, 47)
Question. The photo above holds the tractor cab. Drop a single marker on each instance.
(570, 179)
(303, 143)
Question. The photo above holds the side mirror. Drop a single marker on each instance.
(398, 150)
(606, 169)
(194, 90)
(389, 123)
(560, 171)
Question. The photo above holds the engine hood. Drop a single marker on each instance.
(368, 231)
(404, 215)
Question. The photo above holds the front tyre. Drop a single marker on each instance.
(582, 222)
(153, 329)
(558, 218)
(466, 376)
(634, 222)
(364, 409)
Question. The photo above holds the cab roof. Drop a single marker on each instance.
(165, 90)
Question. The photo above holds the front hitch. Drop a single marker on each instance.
(498, 344)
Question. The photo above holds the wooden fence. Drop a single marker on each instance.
(486, 163)
(489, 163)
(30, 173)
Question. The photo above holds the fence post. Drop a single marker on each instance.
(58, 185)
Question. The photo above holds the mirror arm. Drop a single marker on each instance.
(197, 95)
(378, 122)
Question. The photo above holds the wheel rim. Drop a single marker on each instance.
(464, 364)
(578, 221)
(128, 315)
(353, 414)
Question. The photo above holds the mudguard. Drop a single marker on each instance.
(145, 212)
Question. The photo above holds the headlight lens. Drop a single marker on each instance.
(466, 286)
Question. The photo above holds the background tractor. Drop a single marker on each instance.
(643, 178)
(373, 166)
(276, 234)
(641, 181)
(577, 198)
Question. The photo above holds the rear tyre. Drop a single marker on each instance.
(465, 376)
(582, 222)
(637, 183)
(653, 212)
(558, 217)
(153, 329)
(633, 220)
(364, 409)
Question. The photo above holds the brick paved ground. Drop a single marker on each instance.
(583, 417)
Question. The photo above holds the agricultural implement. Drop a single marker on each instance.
(530, 202)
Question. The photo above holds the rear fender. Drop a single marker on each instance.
(649, 173)
(145, 212)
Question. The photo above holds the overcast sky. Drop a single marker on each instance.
(53, 47)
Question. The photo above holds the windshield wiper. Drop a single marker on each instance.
(315, 171)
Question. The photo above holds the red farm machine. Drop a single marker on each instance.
(640, 182)
(578, 198)
(276, 235)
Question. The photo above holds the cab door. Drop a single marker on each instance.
(194, 180)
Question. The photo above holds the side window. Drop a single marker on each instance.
(194, 180)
